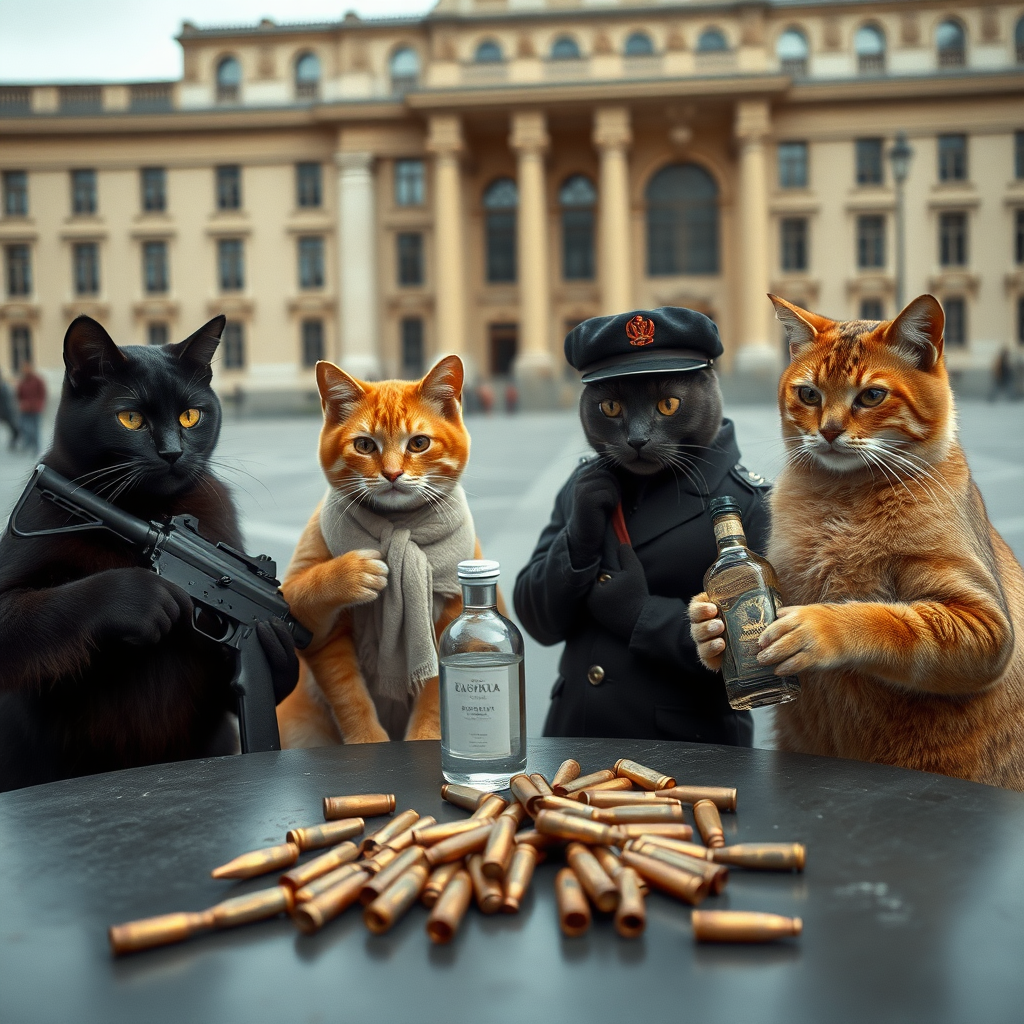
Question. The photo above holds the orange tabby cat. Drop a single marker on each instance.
(902, 600)
(392, 453)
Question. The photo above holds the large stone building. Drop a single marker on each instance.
(379, 192)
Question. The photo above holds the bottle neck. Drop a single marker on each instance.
(480, 594)
(729, 532)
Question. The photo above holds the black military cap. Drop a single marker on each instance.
(666, 340)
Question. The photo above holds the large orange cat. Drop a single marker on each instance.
(903, 602)
(374, 573)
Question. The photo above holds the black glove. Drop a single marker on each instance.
(279, 647)
(594, 497)
(617, 601)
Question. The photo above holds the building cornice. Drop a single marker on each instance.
(909, 87)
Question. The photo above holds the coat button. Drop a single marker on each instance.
(595, 674)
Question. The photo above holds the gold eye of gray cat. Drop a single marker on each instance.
(131, 419)
(364, 445)
(611, 408)
(668, 406)
(870, 397)
(809, 396)
(419, 443)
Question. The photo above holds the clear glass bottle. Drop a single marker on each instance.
(746, 590)
(483, 687)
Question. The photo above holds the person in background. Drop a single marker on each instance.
(7, 411)
(31, 402)
(1002, 376)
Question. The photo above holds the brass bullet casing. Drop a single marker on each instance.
(615, 798)
(405, 839)
(564, 826)
(603, 892)
(390, 906)
(516, 811)
(450, 907)
(646, 814)
(573, 909)
(631, 914)
(716, 875)
(566, 805)
(316, 837)
(645, 777)
(438, 881)
(396, 825)
(538, 840)
(457, 847)
(311, 915)
(762, 856)
(256, 906)
(301, 874)
(676, 882)
(742, 926)
(150, 932)
(617, 785)
(581, 782)
(428, 835)
(488, 891)
(542, 784)
(722, 797)
(568, 771)
(519, 876)
(670, 829)
(500, 846)
(384, 878)
(466, 797)
(705, 814)
(364, 805)
(524, 790)
(313, 889)
(379, 860)
(490, 807)
(613, 867)
(259, 862)
(679, 845)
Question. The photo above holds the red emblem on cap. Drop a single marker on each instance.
(640, 330)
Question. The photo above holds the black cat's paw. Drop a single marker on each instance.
(595, 494)
(279, 647)
(136, 606)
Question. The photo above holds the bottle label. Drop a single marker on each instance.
(745, 620)
(729, 526)
(477, 700)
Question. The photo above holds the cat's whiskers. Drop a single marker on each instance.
(873, 458)
(917, 468)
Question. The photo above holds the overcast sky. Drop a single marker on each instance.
(110, 40)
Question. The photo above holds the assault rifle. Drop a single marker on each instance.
(235, 590)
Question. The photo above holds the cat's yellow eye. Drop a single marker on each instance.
(364, 445)
(189, 418)
(870, 397)
(667, 406)
(611, 408)
(131, 420)
(420, 443)
(809, 396)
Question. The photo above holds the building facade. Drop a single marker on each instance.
(480, 179)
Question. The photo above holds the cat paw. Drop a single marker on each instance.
(803, 637)
(363, 573)
(706, 629)
(370, 733)
(424, 731)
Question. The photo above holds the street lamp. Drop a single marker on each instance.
(899, 159)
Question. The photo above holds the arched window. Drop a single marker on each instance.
(307, 76)
(488, 52)
(951, 43)
(577, 197)
(682, 221)
(229, 78)
(639, 45)
(792, 51)
(565, 48)
(712, 40)
(1018, 38)
(405, 69)
(500, 201)
(869, 45)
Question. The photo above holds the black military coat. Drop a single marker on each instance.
(653, 686)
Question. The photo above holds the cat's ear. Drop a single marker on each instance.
(338, 391)
(442, 386)
(916, 333)
(800, 325)
(201, 346)
(89, 352)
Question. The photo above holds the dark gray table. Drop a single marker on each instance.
(912, 901)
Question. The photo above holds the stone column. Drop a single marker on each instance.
(359, 312)
(529, 140)
(612, 137)
(757, 352)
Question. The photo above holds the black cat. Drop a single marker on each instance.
(100, 665)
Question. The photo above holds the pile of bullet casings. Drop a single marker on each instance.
(617, 841)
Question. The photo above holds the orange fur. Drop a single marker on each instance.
(902, 600)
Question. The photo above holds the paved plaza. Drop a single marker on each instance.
(517, 465)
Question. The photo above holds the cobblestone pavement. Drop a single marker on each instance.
(517, 466)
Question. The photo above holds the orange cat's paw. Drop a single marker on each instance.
(428, 730)
(364, 573)
(371, 732)
(706, 629)
(803, 637)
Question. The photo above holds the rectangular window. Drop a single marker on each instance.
(311, 262)
(501, 246)
(19, 270)
(154, 189)
(1019, 247)
(312, 342)
(16, 193)
(412, 348)
(577, 244)
(21, 347)
(410, 258)
(86, 256)
(953, 239)
(154, 267)
(794, 243)
(156, 334)
(229, 187)
(870, 242)
(793, 165)
(952, 158)
(956, 322)
(869, 162)
(872, 309)
(83, 191)
(409, 183)
(233, 345)
(231, 264)
(1020, 320)
(1018, 155)
(308, 192)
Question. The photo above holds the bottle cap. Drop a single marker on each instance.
(481, 570)
(725, 505)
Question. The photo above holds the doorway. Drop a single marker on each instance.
(504, 344)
